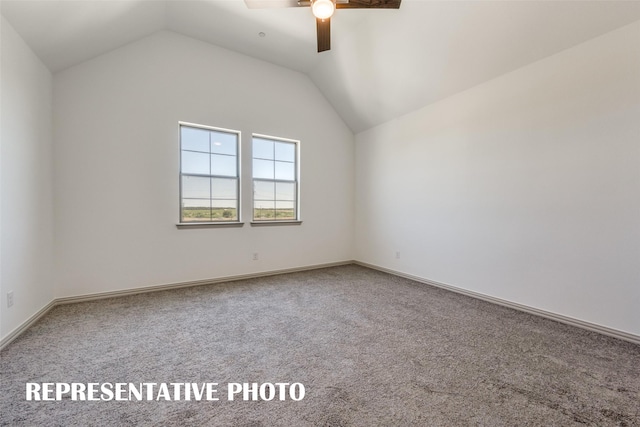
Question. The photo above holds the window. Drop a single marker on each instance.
(209, 178)
(275, 179)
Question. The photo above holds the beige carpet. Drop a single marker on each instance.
(371, 350)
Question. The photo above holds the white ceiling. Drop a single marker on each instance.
(383, 63)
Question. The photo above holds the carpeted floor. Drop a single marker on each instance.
(371, 350)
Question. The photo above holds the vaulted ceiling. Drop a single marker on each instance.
(383, 63)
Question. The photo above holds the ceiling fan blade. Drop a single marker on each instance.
(323, 26)
(368, 4)
(340, 4)
(324, 34)
(273, 4)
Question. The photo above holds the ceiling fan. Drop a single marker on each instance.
(323, 10)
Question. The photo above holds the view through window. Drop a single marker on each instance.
(275, 179)
(209, 180)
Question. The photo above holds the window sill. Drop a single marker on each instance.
(269, 223)
(209, 224)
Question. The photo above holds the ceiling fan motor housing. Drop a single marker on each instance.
(323, 10)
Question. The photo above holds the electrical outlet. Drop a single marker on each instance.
(9, 298)
(255, 256)
(397, 254)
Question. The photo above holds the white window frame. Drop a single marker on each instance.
(238, 177)
(295, 221)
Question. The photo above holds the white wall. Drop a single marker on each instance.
(117, 164)
(525, 188)
(26, 214)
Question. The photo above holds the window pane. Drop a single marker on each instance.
(206, 154)
(262, 148)
(274, 160)
(264, 210)
(222, 188)
(285, 191)
(196, 210)
(285, 210)
(263, 190)
(194, 139)
(197, 163)
(224, 143)
(194, 187)
(285, 171)
(224, 210)
(285, 151)
(223, 165)
(263, 169)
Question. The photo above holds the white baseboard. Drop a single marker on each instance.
(626, 336)
(101, 295)
(168, 286)
(26, 324)
(113, 294)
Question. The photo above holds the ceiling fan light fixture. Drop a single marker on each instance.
(323, 9)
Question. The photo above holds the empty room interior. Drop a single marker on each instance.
(234, 212)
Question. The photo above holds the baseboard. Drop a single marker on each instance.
(114, 294)
(189, 284)
(626, 336)
(26, 325)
